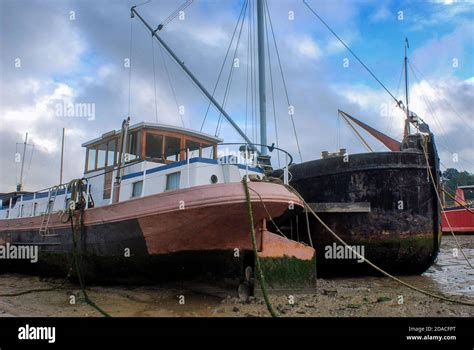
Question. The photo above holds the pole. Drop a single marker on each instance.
(261, 75)
(62, 159)
(20, 185)
(407, 121)
(191, 75)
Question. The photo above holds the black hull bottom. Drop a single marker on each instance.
(117, 253)
(400, 228)
(152, 269)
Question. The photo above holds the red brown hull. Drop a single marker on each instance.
(187, 227)
(460, 219)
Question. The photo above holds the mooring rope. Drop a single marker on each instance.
(254, 245)
(76, 187)
(59, 286)
(406, 284)
(458, 202)
(441, 203)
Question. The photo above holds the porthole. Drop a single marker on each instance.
(214, 179)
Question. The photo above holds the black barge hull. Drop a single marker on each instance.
(383, 202)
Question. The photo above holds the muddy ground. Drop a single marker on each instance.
(363, 296)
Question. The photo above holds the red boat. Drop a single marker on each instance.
(460, 217)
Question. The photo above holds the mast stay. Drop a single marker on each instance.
(133, 13)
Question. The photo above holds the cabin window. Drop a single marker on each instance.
(35, 206)
(172, 181)
(91, 159)
(8, 213)
(101, 154)
(137, 189)
(108, 183)
(154, 146)
(133, 147)
(208, 151)
(111, 146)
(172, 148)
(193, 148)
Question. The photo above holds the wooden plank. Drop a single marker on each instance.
(341, 207)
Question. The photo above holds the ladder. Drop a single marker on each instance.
(44, 231)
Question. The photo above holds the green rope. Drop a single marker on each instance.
(254, 245)
(76, 195)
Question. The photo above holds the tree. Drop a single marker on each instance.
(452, 178)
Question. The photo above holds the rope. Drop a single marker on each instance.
(283, 79)
(77, 222)
(268, 213)
(441, 202)
(276, 226)
(254, 245)
(406, 284)
(458, 202)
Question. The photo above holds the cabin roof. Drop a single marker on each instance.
(155, 126)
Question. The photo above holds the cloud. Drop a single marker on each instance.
(434, 53)
(304, 47)
(441, 12)
(381, 14)
(82, 61)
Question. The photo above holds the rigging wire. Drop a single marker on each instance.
(16, 165)
(413, 67)
(272, 89)
(435, 117)
(399, 103)
(223, 63)
(29, 162)
(130, 67)
(248, 77)
(174, 14)
(231, 73)
(253, 88)
(170, 82)
(154, 77)
(390, 122)
(283, 80)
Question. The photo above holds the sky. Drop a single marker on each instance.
(58, 54)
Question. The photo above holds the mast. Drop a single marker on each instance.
(191, 76)
(62, 160)
(19, 187)
(407, 120)
(261, 75)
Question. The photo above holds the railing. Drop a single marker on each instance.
(243, 154)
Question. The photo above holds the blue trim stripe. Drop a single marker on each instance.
(129, 176)
(151, 171)
(184, 162)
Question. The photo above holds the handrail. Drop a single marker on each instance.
(65, 185)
